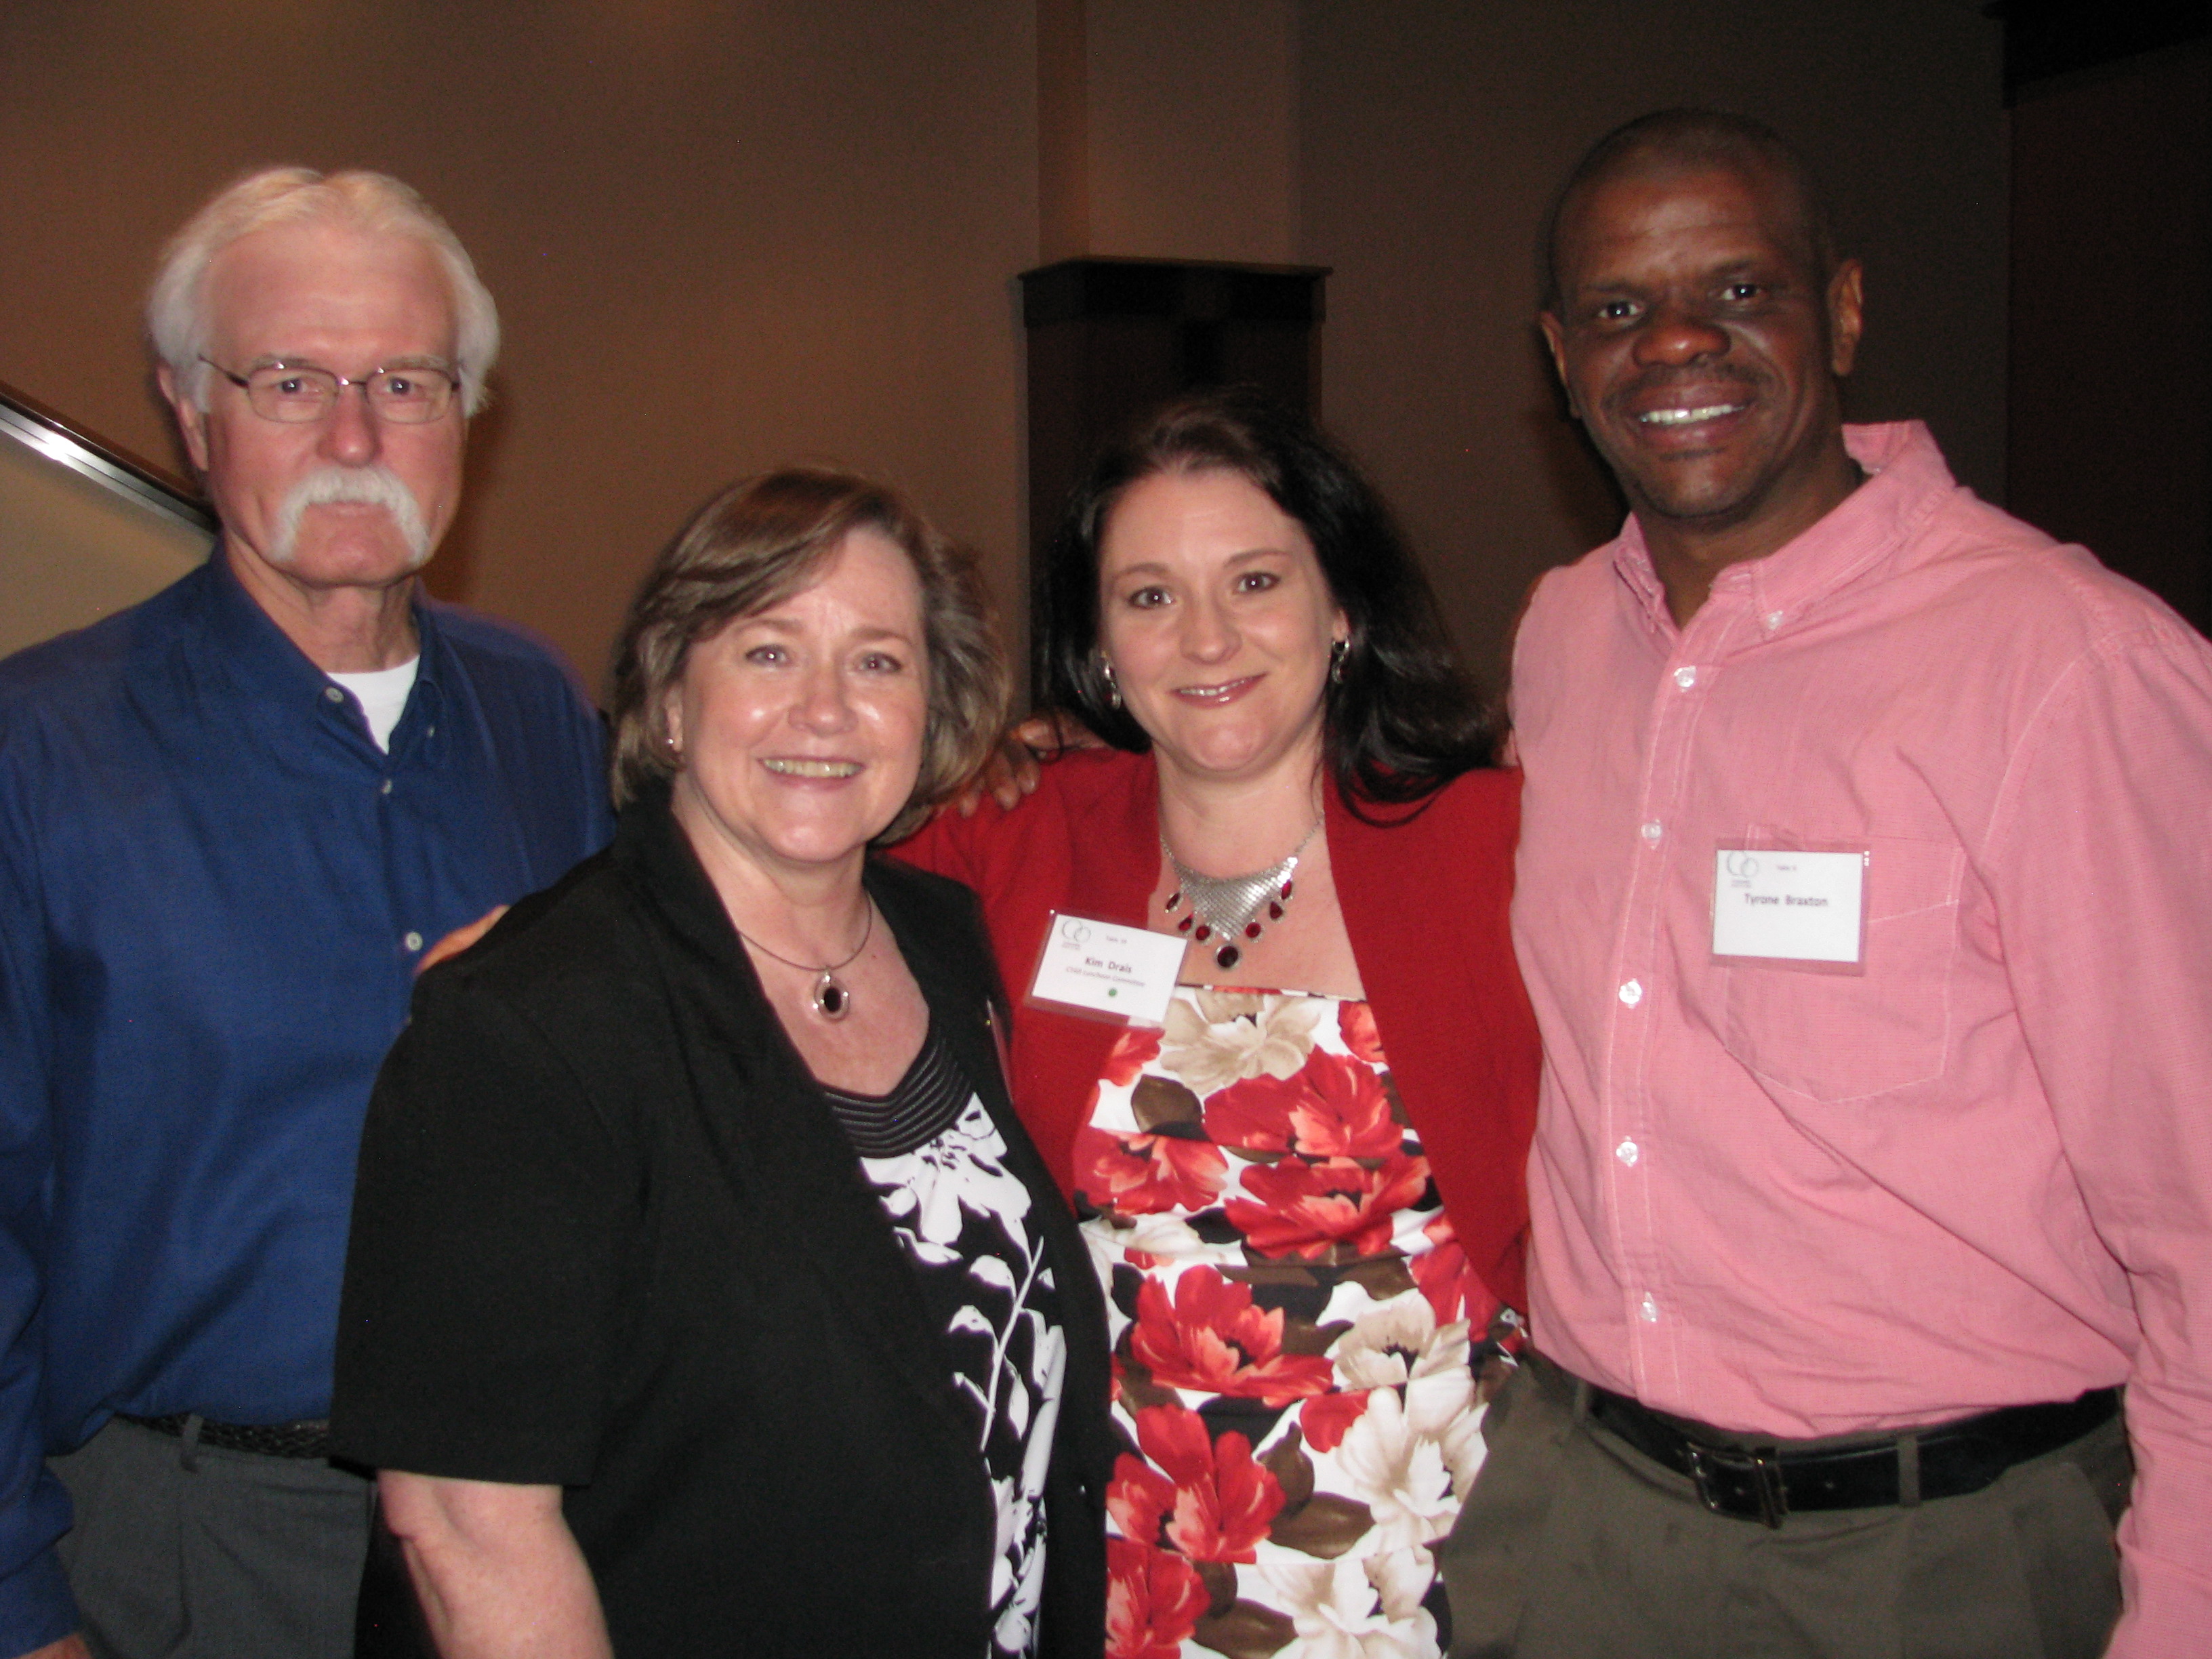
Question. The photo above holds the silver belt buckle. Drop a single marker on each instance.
(1764, 1469)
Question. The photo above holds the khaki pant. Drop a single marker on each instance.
(1574, 1545)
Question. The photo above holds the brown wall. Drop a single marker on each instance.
(720, 234)
(1432, 135)
(1194, 129)
(2111, 432)
(724, 232)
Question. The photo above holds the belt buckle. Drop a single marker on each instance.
(1763, 1469)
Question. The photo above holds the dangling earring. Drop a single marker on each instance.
(1338, 649)
(1113, 686)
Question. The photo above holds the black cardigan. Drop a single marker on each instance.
(607, 1236)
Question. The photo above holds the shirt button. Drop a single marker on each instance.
(384, 788)
(332, 694)
(1652, 831)
(1649, 1310)
(413, 941)
(1774, 620)
(1632, 994)
(1686, 676)
(1627, 1152)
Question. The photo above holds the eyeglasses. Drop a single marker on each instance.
(281, 392)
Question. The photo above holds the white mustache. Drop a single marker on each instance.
(375, 485)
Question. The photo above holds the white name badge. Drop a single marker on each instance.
(1106, 968)
(1784, 905)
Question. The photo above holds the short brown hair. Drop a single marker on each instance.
(755, 544)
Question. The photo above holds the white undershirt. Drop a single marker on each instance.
(382, 694)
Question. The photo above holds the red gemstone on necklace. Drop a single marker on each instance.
(1174, 899)
(1205, 931)
(1274, 912)
(1287, 889)
(1226, 956)
(1251, 930)
(1183, 927)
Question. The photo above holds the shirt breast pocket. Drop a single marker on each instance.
(1844, 1037)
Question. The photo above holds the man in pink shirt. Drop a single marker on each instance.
(1865, 898)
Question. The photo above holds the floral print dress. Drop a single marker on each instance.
(1301, 1354)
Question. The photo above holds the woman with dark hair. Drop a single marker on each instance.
(705, 1295)
(1301, 1173)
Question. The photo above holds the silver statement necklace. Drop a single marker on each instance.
(1228, 907)
(830, 997)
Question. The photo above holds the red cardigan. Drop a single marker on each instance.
(1424, 900)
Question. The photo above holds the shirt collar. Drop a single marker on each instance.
(260, 659)
(1905, 479)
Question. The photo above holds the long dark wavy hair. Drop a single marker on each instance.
(1403, 720)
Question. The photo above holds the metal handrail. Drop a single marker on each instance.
(31, 422)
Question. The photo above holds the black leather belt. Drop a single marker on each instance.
(1755, 1483)
(309, 1437)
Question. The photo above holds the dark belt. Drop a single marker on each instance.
(1755, 1483)
(309, 1437)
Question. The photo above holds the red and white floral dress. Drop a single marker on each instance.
(1301, 1353)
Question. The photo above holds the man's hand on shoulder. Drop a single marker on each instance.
(459, 939)
(69, 1647)
(1014, 766)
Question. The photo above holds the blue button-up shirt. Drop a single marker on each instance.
(214, 889)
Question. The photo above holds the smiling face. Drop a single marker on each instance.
(800, 726)
(328, 296)
(1700, 348)
(1217, 621)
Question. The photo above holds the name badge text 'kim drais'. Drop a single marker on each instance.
(1107, 970)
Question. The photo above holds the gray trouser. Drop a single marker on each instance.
(222, 1555)
(1573, 1546)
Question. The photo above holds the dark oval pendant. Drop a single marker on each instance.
(1227, 956)
(831, 999)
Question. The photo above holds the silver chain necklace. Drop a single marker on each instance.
(1229, 906)
(830, 997)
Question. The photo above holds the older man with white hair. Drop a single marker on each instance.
(230, 819)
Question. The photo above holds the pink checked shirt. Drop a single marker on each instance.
(1978, 1174)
